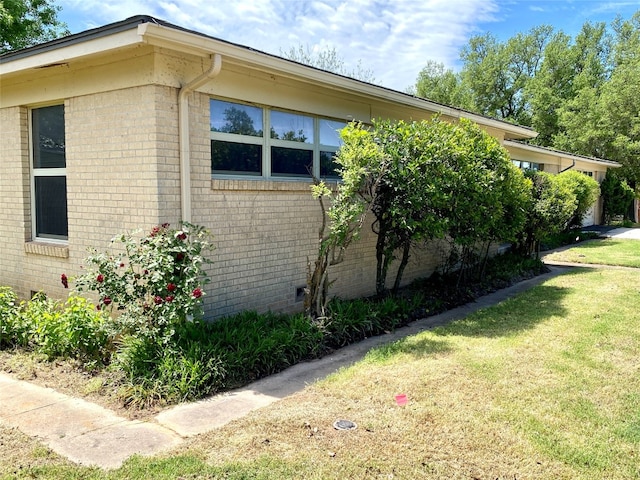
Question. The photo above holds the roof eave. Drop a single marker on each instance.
(147, 30)
(67, 52)
(559, 153)
(188, 42)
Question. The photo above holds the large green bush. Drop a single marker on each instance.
(617, 196)
(549, 211)
(586, 190)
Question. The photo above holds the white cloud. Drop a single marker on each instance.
(394, 38)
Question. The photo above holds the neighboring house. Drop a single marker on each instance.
(142, 122)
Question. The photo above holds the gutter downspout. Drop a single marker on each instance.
(183, 133)
(569, 167)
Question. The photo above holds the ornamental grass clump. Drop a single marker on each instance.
(154, 281)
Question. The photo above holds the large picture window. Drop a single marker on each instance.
(297, 145)
(49, 175)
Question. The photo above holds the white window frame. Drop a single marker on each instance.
(267, 142)
(43, 172)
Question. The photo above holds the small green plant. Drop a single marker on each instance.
(71, 329)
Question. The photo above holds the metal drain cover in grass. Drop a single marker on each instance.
(344, 425)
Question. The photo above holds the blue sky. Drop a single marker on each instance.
(393, 38)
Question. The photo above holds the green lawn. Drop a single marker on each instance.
(604, 252)
(545, 386)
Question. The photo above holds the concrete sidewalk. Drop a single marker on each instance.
(623, 233)
(89, 434)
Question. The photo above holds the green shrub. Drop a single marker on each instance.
(73, 329)
(586, 191)
(9, 317)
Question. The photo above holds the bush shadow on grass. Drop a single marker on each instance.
(512, 316)
(418, 346)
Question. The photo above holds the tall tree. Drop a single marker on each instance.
(620, 99)
(438, 84)
(330, 60)
(580, 123)
(497, 74)
(24, 23)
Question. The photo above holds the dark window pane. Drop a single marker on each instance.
(51, 207)
(328, 166)
(48, 137)
(291, 162)
(236, 158)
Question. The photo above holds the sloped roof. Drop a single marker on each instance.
(150, 30)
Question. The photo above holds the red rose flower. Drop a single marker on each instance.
(171, 287)
(197, 293)
(106, 300)
(64, 280)
(165, 225)
(155, 231)
(169, 298)
(121, 265)
(181, 235)
(157, 300)
(100, 278)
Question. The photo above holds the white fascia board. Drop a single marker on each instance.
(189, 42)
(73, 51)
(558, 153)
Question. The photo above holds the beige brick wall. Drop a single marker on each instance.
(122, 174)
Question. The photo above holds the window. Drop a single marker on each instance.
(297, 145)
(527, 165)
(49, 175)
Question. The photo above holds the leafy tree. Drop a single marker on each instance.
(551, 87)
(441, 85)
(24, 23)
(412, 194)
(586, 190)
(579, 120)
(487, 198)
(497, 74)
(330, 60)
(620, 102)
(361, 163)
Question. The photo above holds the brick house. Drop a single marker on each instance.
(142, 122)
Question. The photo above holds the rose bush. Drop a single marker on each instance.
(154, 281)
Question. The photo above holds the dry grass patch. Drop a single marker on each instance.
(545, 385)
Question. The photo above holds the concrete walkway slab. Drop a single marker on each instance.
(82, 431)
(623, 233)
